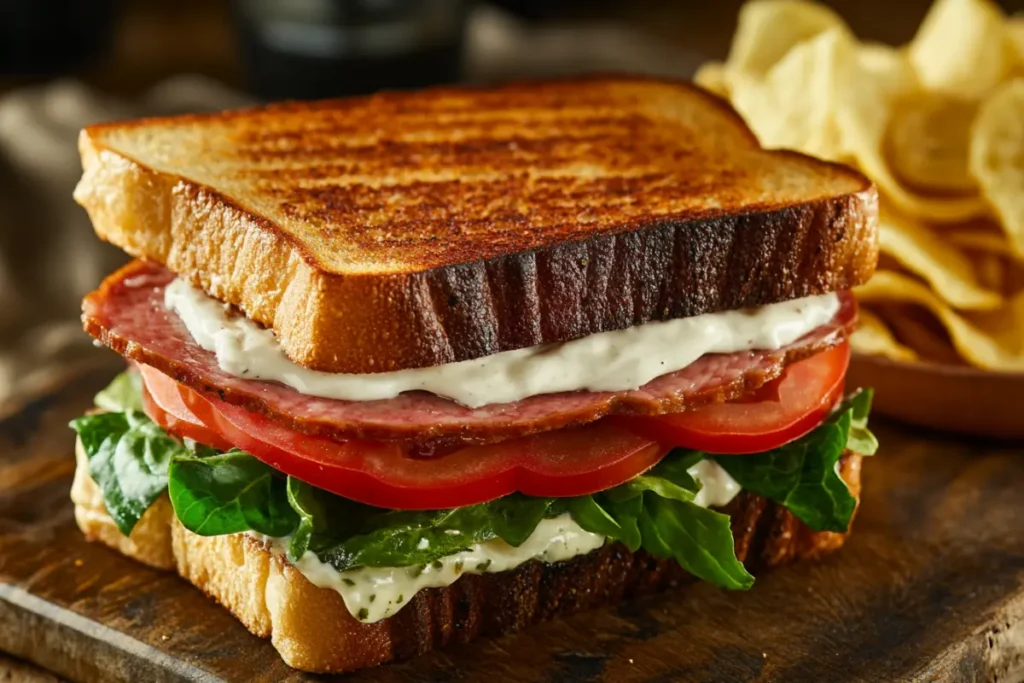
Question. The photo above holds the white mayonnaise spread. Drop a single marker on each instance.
(375, 593)
(608, 361)
(717, 488)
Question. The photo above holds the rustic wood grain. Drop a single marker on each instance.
(930, 588)
(17, 671)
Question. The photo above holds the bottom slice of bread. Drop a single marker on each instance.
(313, 630)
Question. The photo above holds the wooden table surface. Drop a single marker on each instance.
(929, 588)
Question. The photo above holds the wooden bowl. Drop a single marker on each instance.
(951, 398)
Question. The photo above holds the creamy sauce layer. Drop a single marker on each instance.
(609, 361)
(375, 593)
(717, 488)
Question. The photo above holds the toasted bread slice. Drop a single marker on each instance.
(313, 630)
(415, 229)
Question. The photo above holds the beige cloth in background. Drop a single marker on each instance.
(49, 255)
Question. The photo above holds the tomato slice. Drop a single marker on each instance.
(801, 399)
(171, 413)
(566, 462)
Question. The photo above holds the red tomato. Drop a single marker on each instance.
(801, 399)
(173, 415)
(566, 462)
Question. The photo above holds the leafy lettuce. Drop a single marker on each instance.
(803, 475)
(134, 462)
(128, 459)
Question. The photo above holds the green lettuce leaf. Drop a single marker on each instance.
(229, 493)
(405, 538)
(803, 476)
(603, 519)
(128, 460)
(860, 438)
(123, 393)
(656, 512)
(303, 499)
(698, 538)
(234, 492)
(324, 518)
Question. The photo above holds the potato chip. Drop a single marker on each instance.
(889, 68)
(995, 262)
(862, 113)
(767, 30)
(1015, 35)
(793, 105)
(928, 140)
(991, 270)
(874, 338)
(1013, 279)
(997, 157)
(979, 236)
(918, 329)
(939, 127)
(923, 253)
(829, 97)
(962, 48)
(992, 340)
(713, 76)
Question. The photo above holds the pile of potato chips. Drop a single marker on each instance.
(939, 126)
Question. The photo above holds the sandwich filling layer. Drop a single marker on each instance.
(355, 496)
(619, 360)
(375, 593)
(379, 558)
(128, 313)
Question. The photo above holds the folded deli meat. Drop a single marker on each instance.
(693, 422)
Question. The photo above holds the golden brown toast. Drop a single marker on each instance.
(312, 629)
(414, 229)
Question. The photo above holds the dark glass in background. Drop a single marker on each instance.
(545, 9)
(49, 37)
(306, 49)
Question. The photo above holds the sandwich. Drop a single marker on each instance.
(409, 369)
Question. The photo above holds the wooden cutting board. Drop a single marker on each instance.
(930, 588)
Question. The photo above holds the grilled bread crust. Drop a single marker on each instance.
(415, 229)
(313, 630)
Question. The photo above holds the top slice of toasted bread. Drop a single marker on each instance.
(413, 229)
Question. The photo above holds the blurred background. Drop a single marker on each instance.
(67, 63)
